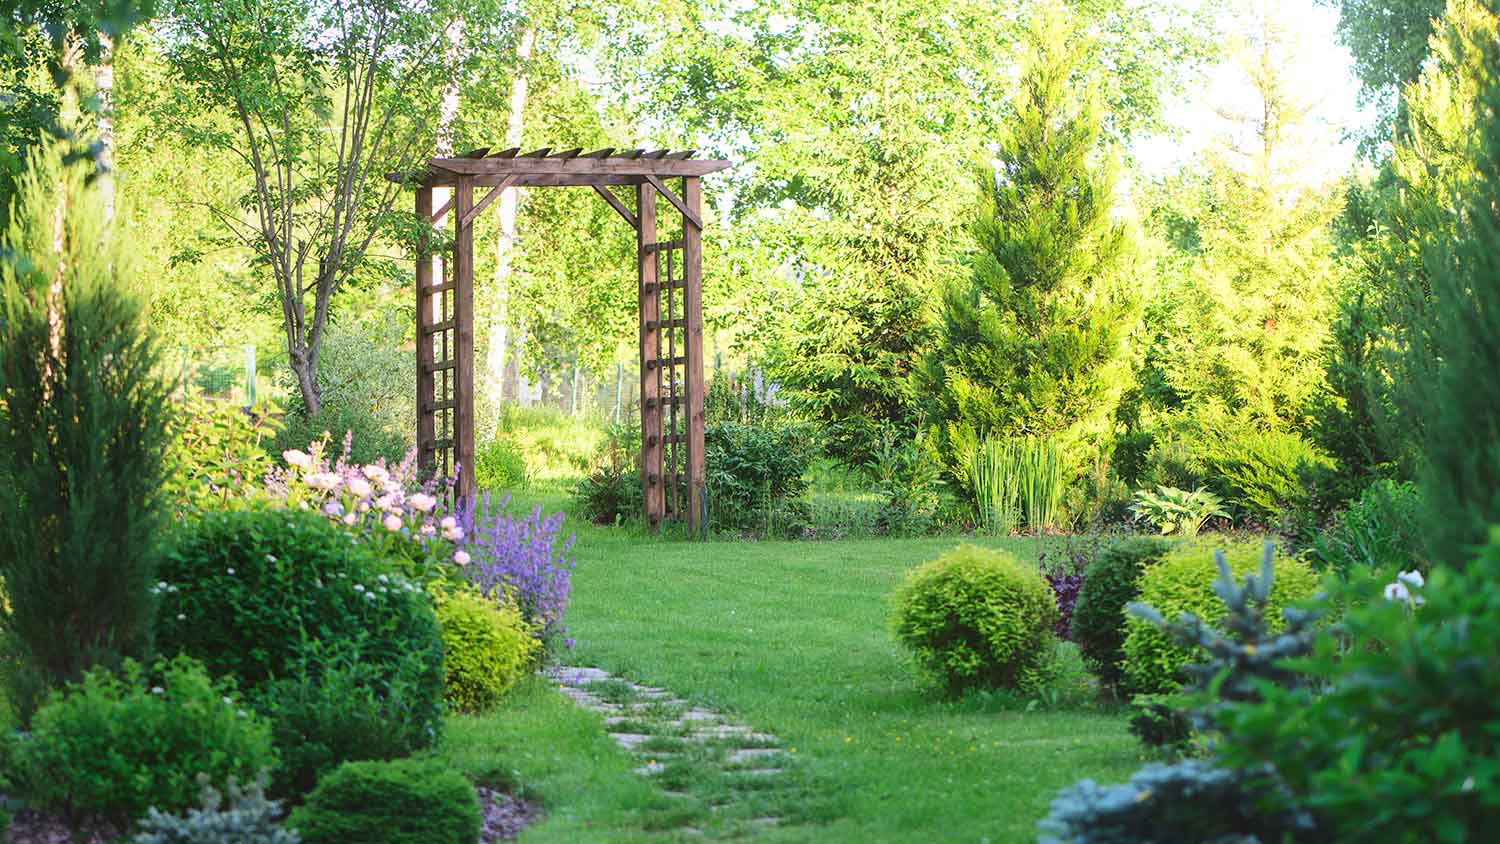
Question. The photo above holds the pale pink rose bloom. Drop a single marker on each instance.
(453, 534)
(428, 529)
(375, 473)
(349, 519)
(449, 523)
(300, 459)
(392, 522)
(358, 486)
(322, 480)
(461, 557)
(424, 502)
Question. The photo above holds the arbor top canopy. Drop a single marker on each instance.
(546, 168)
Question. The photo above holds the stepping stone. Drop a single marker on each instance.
(761, 772)
(767, 821)
(699, 715)
(651, 769)
(750, 754)
(630, 741)
(578, 676)
(652, 693)
(732, 731)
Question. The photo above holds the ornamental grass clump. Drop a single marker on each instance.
(976, 618)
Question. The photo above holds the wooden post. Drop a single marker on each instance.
(646, 271)
(426, 388)
(692, 277)
(463, 316)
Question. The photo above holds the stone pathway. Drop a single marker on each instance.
(681, 746)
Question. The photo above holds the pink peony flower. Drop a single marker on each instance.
(358, 486)
(375, 473)
(300, 459)
(453, 534)
(392, 522)
(350, 518)
(461, 557)
(423, 502)
(448, 523)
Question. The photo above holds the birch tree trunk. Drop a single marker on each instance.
(501, 363)
(104, 89)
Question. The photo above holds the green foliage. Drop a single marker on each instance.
(334, 704)
(1384, 530)
(1109, 584)
(112, 746)
(1388, 41)
(368, 438)
(487, 648)
(1395, 736)
(1159, 722)
(612, 492)
(218, 452)
(244, 590)
(82, 435)
(340, 652)
(1262, 472)
(1456, 388)
(753, 470)
(1032, 344)
(409, 801)
(1177, 511)
(243, 816)
(555, 444)
(908, 474)
(975, 618)
(1185, 582)
(500, 466)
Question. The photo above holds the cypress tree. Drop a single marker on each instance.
(1032, 343)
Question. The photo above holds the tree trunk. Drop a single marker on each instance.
(499, 360)
(305, 366)
(104, 89)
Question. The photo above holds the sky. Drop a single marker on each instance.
(1328, 81)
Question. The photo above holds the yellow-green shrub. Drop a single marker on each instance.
(487, 647)
(976, 618)
(1183, 582)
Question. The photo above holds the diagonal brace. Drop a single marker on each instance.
(615, 203)
(687, 213)
(484, 203)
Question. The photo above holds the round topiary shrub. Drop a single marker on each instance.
(1109, 583)
(343, 654)
(975, 618)
(114, 745)
(1183, 582)
(487, 647)
(408, 801)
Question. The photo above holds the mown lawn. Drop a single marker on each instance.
(790, 638)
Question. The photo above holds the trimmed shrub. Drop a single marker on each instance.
(244, 590)
(245, 817)
(975, 618)
(334, 707)
(487, 647)
(1109, 584)
(1183, 582)
(409, 801)
(111, 747)
(340, 652)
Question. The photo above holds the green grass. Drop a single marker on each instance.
(790, 638)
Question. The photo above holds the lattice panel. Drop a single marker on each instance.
(670, 368)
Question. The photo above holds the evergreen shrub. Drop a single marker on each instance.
(1183, 582)
(244, 816)
(487, 648)
(1382, 530)
(975, 618)
(1109, 584)
(408, 801)
(112, 746)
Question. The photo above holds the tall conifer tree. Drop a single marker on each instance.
(1032, 342)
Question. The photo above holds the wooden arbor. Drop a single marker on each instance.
(670, 295)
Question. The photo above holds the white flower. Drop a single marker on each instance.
(162, 586)
(228, 701)
(448, 523)
(322, 480)
(461, 557)
(358, 486)
(181, 617)
(453, 534)
(1396, 591)
(157, 690)
(375, 473)
(423, 502)
(270, 558)
(428, 529)
(300, 459)
(1412, 578)
(392, 522)
(358, 588)
(383, 579)
(229, 571)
